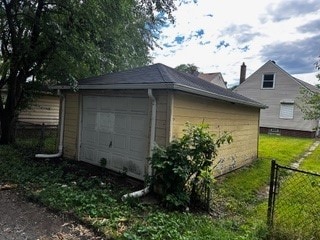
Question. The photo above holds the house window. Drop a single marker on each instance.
(268, 81)
(286, 110)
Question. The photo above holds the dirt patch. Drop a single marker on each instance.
(24, 220)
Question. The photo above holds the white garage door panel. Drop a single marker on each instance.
(138, 126)
(121, 123)
(106, 156)
(118, 161)
(90, 103)
(105, 121)
(89, 119)
(104, 140)
(107, 105)
(116, 128)
(134, 168)
(137, 105)
(89, 154)
(88, 136)
(137, 145)
(121, 104)
(120, 142)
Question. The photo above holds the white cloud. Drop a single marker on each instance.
(251, 32)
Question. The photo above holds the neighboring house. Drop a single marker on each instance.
(215, 78)
(116, 119)
(281, 93)
(43, 110)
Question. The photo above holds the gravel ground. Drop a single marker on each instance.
(23, 220)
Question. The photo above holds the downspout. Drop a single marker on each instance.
(60, 148)
(146, 190)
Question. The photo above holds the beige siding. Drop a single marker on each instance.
(72, 115)
(44, 110)
(173, 111)
(241, 121)
(71, 125)
(163, 99)
(285, 88)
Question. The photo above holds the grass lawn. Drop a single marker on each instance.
(238, 206)
(298, 202)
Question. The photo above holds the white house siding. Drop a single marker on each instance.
(286, 88)
(240, 121)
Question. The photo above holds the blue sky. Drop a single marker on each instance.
(218, 36)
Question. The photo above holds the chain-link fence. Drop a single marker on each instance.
(294, 204)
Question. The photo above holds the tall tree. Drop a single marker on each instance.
(311, 100)
(187, 68)
(55, 41)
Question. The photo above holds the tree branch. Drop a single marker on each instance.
(36, 25)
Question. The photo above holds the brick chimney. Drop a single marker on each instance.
(243, 73)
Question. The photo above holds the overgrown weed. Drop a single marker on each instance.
(93, 195)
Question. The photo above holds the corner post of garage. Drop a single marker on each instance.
(152, 126)
(146, 190)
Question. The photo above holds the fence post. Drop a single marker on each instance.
(41, 140)
(271, 194)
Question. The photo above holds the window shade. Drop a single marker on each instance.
(286, 110)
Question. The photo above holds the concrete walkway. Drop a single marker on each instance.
(306, 154)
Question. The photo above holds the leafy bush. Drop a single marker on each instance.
(183, 170)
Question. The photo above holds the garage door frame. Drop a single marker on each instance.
(147, 131)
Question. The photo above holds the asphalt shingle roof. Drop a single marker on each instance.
(156, 75)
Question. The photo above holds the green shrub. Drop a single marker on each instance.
(183, 170)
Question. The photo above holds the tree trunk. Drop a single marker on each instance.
(8, 123)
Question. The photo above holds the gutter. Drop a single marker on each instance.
(218, 96)
(146, 190)
(60, 148)
(167, 85)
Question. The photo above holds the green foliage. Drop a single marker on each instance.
(58, 41)
(187, 68)
(311, 104)
(241, 196)
(184, 169)
(103, 162)
(180, 226)
(311, 99)
(93, 195)
(311, 163)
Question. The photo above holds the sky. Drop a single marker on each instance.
(219, 35)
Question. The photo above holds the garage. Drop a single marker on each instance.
(114, 133)
(116, 119)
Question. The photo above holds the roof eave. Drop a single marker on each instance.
(163, 86)
(217, 96)
(118, 86)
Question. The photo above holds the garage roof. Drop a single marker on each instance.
(159, 76)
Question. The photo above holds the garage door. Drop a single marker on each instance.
(115, 130)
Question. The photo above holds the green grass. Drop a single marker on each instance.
(298, 202)
(312, 162)
(94, 197)
(245, 192)
(297, 208)
(245, 184)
